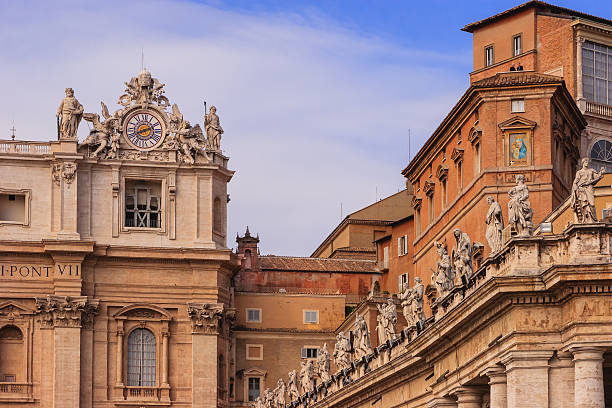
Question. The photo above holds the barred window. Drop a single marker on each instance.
(141, 359)
(143, 204)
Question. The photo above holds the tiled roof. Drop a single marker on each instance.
(288, 263)
(517, 78)
(540, 5)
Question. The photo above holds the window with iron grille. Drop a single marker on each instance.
(143, 204)
(141, 358)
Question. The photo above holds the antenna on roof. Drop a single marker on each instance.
(409, 153)
(142, 59)
(13, 131)
(341, 214)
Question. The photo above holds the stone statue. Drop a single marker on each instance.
(387, 321)
(519, 209)
(342, 350)
(361, 338)
(294, 393)
(462, 255)
(104, 135)
(69, 112)
(182, 136)
(279, 394)
(418, 315)
(406, 298)
(268, 398)
(258, 403)
(583, 196)
(143, 90)
(443, 276)
(213, 129)
(307, 380)
(495, 225)
(323, 362)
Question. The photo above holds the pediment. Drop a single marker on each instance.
(457, 154)
(255, 372)
(428, 187)
(143, 311)
(416, 201)
(475, 134)
(12, 307)
(517, 122)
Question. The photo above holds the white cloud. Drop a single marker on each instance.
(313, 115)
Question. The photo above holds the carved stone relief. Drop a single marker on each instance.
(205, 317)
(66, 311)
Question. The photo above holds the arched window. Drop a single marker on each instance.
(11, 354)
(602, 151)
(217, 216)
(141, 359)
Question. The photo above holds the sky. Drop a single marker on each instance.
(317, 98)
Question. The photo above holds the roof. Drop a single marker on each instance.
(502, 79)
(565, 12)
(298, 264)
(515, 78)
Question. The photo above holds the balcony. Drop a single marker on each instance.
(15, 392)
(600, 109)
(145, 396)
(21, 147)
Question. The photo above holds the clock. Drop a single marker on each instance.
(144, 129)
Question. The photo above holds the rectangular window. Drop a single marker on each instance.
(476, 159)
(254, 315)
(254, 388)
(309, 352)
(402, 245)
(430, 209)
(143, 204)
(417, 222)
(13, 208)
(596, 76)
(444, 194)
(9, 378)
(488, 52)
(386, 257)
(254, 352)
(311, 316)
(459, 176)
(402, 282)
(517, 45)
(517, 105)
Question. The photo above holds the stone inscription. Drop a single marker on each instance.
(29, 271)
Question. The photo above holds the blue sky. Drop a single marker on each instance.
(316, 98)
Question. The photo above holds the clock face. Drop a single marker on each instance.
(144, 130)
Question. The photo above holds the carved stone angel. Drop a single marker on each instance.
(342, 350)
(323, 362)
(182, 136)
(142, 90)
(294, 393)
(104, 135)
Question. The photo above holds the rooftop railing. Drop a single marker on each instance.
(598, 108)
(21, 147)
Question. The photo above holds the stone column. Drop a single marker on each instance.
(498, 387)
(588, 377)
(527, 378)
(119, 368)
(561, 381)
(205, 323)
(579, 90)
(164, 373)
(468, 397)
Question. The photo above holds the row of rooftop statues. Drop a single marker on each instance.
(451, 271)
(144, 92)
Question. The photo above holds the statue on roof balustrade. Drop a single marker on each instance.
(268, 398)
(443, 277)
(387, 321)
(294, 393)
(495, 225)
(361, 337)
(342, 350)
(279, 394)
(520, 213)
(323, 363)
(462, 255)
(582, 201)
(69, 116)
(307, 380)
(213, 129)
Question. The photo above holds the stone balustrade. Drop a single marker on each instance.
(20, 147)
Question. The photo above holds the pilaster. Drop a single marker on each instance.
(588, 377)
(497, 387)
(527, 378)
